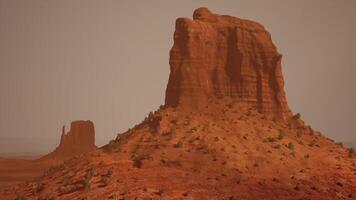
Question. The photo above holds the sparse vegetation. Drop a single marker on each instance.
(312, 143)
(297, 116)
(179, 144)
(299, 134)
(290, 146)
(306, 156)
(110, 172)
(300, 142)
(274, 119)
(50, 196)
(281, 134)
(104, 180)
(289, 126)
(351, 152)
(37, 188)
(340, 144)
(137, 162)
(173, 130)
(278, 146)
(271, 139)
(87, 178)
(248, 113)
(21, 197)
(113, 144)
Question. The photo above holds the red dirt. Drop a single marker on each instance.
(221, 140)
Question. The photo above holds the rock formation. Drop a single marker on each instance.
(224, 57)
(207, 142)
(79, 139)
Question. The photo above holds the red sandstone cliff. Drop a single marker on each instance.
(218, 56)
(79, 139)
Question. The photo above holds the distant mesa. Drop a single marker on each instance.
(224, 57)
(80, 139)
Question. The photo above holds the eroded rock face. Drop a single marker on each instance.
(79, 139)
(223, 57)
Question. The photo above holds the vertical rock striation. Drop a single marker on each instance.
(224, 57)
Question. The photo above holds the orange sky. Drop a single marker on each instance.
(107, 61)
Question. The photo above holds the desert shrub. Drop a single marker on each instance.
(21, 197)
(173, 130)
(69, 188)
(87, 178)
(278, 146)
(110, 172)
(113, 144)
(312, 143)
(137, 162)
(104, 180)
(299, 134)
(296, 116)
(351, 152)
(274, 119)
(300, 142)
(281, 134)
(289, 126)
(290, 146)
(150, 115)
(306, 156)
(86, 183)
(340, 144)
(64, 189)
(179, 144)
(271, 139)
(248, 113)
(40, 187)
(50, 196)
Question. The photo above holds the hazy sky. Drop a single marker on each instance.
(107, 61)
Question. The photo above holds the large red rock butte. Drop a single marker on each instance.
(224, 57)
(79, 139)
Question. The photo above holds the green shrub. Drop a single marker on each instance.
(104, 180)
(50, 196)
(351, 152)
(340, 144)
(69, 188)
(281, 134)
(296, 116)
(274, 119)
(21, 197)
(271, 139)
(87, 178)
(179, 144)
(86, 183)
(110, 172)
(291, 146)
(248, 113)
